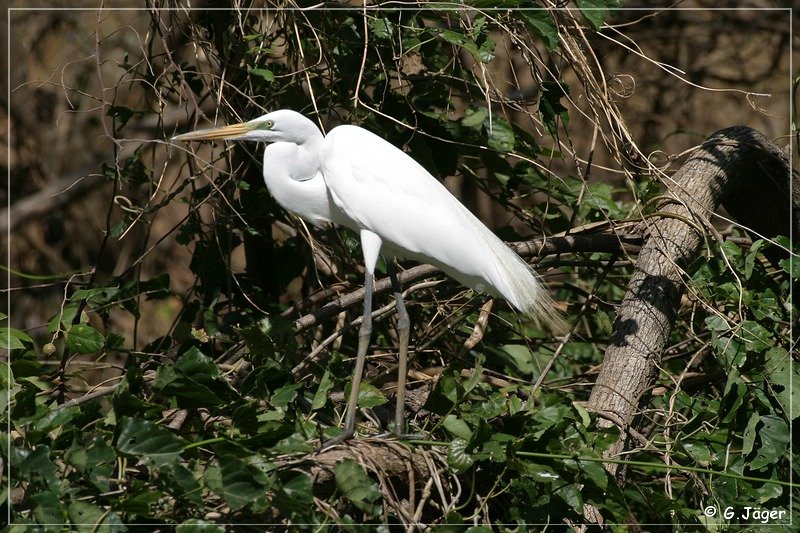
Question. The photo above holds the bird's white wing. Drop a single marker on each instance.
(383, 190)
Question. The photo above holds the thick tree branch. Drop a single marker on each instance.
(736, 167)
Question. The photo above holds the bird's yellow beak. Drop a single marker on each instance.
(226, 132)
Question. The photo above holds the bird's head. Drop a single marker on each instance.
(279, 126)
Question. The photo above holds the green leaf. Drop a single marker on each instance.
(457, 457)
(717, 323)
(700, 452)
(35, 463)
(381, 28)
(196, 378)
(731, 349)
(595, 472)
(56, 418)
(474, 118)
(735, 393)
(752, 256)
(139, 502)
(262, 73)
(121, 113)
(284, 395)
(83, 339)
(550, 105)
(95, 460)
(239, 482)
(47, 508)
(196, 525)
(368, 396)
(571, 494)
(781, 372)
(457, 427)
(93, 518)
(501, 134)
(521, 357)
(774, 434)
(543, 25)
(295, 495)
(756, 337)
(324, 389)
(540, 472)
(483, 52)
(356, 485)
(141, 438)
(13, 339)
(596, 11)
(257, 337)
(184, 483)
(749, 435)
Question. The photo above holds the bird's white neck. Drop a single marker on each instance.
(292, 175)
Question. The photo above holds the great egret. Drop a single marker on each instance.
(354, 178)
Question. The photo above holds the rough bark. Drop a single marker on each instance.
(737, 168)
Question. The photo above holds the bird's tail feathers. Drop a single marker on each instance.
(516, 281)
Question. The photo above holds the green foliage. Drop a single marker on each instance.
(215, 418)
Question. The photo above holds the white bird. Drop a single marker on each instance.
(356, 179)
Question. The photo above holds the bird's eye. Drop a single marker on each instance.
(262, 124)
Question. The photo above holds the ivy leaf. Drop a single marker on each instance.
(121, 113)
(520, 356)
(457, 457)
(756, 337)
(295, 495)
(381, 28)
(284, 395)
(571, 494)
(47, 508)
(483, 52)
(196, 525)
(356, 485)
(595, 472)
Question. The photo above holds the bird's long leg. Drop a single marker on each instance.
(363, 343)
(403, 331)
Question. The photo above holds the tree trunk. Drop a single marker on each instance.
(736, 167)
